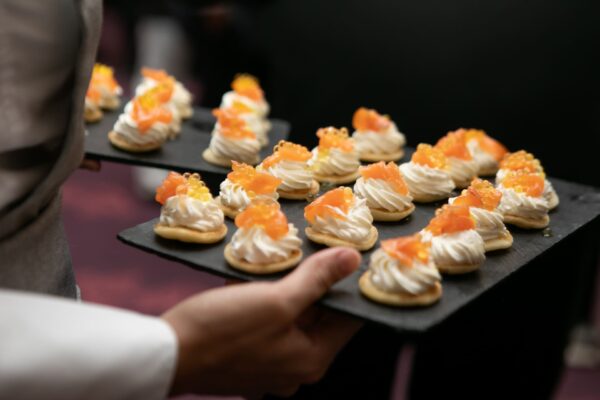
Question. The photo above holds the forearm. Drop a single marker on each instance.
(58, 349)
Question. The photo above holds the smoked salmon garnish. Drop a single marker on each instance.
(388, 172)
(254, 182)
(287, 151)
(366, 119)
(451, 219)
(407, 249)
(232, 126)
(266, 214)
(324, 206)
(454, 144)
(480, 194)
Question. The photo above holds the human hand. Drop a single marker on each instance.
(262, 337)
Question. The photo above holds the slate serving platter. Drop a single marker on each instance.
(182, 154)
(579, 206)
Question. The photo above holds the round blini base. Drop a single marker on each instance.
(398, 299)
(384, 215)
(333, 241)
(212, 158)
(111, 104)
(190, 235)
(337, 179)
(553, 201)
(489, 171)
(457, 269)
(375, 157)
(429, 198)
(300, 194)
(527, 223)
(122, 144)
(262, 269)
(91, 116)
(500, 243)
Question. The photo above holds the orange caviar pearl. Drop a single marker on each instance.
(480, 194)
(287, 151)
(341, 197)
(429, 156)
(147, 111)
(454, 145)
(530, 184)
(247, 85)
(521, 161)
(450, 219)
(173, 184)
(266, 214)
(366, 119)
(406, 249)
(388, 172)
(155, 74)
(331, 137)
(232, 126)
(253, 181)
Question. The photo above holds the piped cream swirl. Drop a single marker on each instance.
(485, 161)
(295, 175)
(521, 205)
(389, 275)
(243, 150)
(337, 162)
(188, 212)
(128, 130)
(386, 142)
(354, 227)
(235, 196)
(260, 108)
(422, 180)
(462, 171)
(460, 248)
(257, 247)
(380, 195)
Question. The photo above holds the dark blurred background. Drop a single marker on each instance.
(527, 72)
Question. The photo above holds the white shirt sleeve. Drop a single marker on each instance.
(52, 348)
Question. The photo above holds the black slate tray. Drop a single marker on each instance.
(579, 206)
(183, 154)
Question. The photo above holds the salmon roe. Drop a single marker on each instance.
(454, 144)
(254, 182)
(266, 214)
(147, 111)
(341, 198)
(248, 86)
(451, 219)
(388, 172)
(530, 184)
(429, 156)
(521, 161)
(232, 126)
(407, 249)
(366, 119)
(480, 194)
(486, 143)
(331, 137)
(287, 151)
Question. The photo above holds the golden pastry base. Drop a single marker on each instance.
(337, 179)
(300, 194)
(375, 157)
(384, 215)
(262, 269)
(398, 299)
(190, 235)
(122, 144)
(527, 223)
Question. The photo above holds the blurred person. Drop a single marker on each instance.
(246, 339)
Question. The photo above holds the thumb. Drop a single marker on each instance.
(313, 278)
